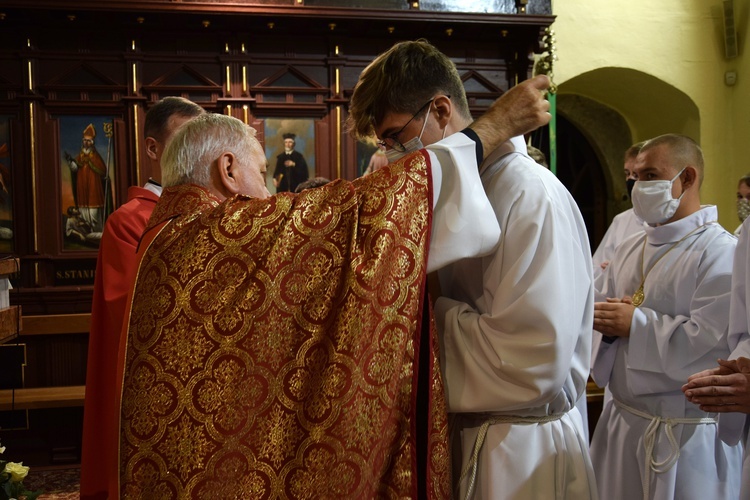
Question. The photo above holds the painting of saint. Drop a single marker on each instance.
(87, 179)
(290, 149)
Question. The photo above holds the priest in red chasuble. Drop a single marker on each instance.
(281, 347)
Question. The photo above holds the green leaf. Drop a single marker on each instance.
(32, 495)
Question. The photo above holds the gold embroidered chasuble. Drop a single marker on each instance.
(273, 346)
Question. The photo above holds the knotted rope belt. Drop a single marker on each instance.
(488, 420)
(649, 441)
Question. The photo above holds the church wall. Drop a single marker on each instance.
(680, 43)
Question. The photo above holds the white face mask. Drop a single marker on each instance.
(743, 208)
(410, 146)
(653, 202)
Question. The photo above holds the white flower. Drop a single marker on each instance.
(2, 449)
(17, 471)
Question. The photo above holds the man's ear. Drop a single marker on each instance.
(444, 108)
(689, 177)
(152, 148)
(228, 166)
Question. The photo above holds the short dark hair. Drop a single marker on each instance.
(633, 151)
(157, 118)
(401, 80)
(684, 151)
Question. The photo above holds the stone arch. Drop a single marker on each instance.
(616, 107)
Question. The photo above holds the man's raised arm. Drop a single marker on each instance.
(518, 111)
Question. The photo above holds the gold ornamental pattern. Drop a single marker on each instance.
(272, 346)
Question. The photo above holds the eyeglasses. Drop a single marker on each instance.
(392, 141)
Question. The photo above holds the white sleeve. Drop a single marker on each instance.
(739, 340)
(731, 425)
(603, 353)
(605, 250)
(602, 358)
(463, 222)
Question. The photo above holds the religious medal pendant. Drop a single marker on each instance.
(638, 296)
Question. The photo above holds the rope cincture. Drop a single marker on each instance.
(649, 441)
(473, 463)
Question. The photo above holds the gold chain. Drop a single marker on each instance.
(639, 296)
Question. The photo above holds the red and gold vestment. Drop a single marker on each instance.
(273, 346)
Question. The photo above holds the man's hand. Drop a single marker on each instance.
(723, 389)
(520, 110)
(613, 318)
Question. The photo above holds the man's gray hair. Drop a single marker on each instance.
(189, 156)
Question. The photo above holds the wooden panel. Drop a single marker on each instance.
(9, 266)
(10, 323)
(56, 324)
(61, 59)
(42, 397)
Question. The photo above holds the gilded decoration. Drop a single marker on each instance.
(149, 484)
(389, 357)
(350, 322)
(277, 435)
(318, 383)
(234, 479)
(145, 400)
(324, 476)
(157, 298)
(231, 395)
(236, 293)
(358, 428)
(271, 346)
(184, 260)
(184, 348)
(186, 445)
(438, 450)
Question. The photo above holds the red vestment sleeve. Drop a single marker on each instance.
(115, 274)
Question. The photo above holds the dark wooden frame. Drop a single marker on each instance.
(228, 57)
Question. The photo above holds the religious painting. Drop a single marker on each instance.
(87, 179)
(6, 191)
(290, 149)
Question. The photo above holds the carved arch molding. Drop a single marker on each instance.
(116, 58)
